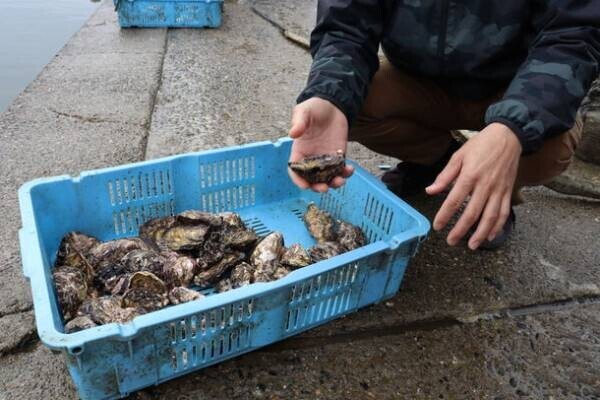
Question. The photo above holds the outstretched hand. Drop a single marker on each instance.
(318, 127)
(484, 168)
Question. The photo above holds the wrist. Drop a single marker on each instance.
(512, 140)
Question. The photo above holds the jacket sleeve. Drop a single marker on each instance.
(543, 98)
(344, 47)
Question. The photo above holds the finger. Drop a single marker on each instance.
(446, 177)
(502, 217)
(300, 119)
(348, 171)
(453, 202)
(337, 182)
(469, 216)
(297, 180)
(319, 187)
(487, 222)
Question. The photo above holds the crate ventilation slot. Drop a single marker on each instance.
(299, 213)
(258, 226)
(142, 186)
(227, 171)
(228, 199)
(379, 218)
(322, 297)
(330, 202)
(127, 221)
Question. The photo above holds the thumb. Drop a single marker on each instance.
(300, 120)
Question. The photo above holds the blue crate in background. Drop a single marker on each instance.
(110, 361)
(169, 13)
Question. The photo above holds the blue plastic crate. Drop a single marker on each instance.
(169, 13)
(110, 361)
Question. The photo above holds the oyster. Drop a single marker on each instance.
(79, 323)
(213, 249)
(232, 220)
(295, 257)
(105, 310)
(142, 260)
(111, 252)
(74, 251)
(224, 285)
(146, 291)
(265, 256)
(280, 272)
(212, 274)
(350, 237)
(185, 237)
(241, 275)
(325, 250)
(240, 238)
(156, 228)
(107, 278)
(194, 217)
(181, 294)
(319, 223)
(71, 289)
(178, 270)
(320, 168)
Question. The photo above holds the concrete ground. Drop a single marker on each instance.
(523, 322)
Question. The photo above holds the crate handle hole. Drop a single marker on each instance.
(76, 350)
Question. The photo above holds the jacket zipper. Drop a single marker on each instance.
(443, 34)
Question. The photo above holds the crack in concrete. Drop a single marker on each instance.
(17, 311)
(26, 344)
(289, 35)
(152, 107)
(298, 343)
(93, 120)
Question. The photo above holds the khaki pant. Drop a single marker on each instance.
(410, 118)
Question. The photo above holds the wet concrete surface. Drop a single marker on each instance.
(459, 328)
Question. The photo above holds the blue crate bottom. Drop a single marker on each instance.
(169, 14)
(206, 338)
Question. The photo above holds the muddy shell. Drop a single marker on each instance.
(350, 237)
(111, 252)
(79, 323)
(181, 294)
(178, 270)
(212, 274)
(144, 299)
(241, 275)
(320, 224)
(325, 250)
(295, 257)
(71, 289)
(265, 256)
(320, 168)
(74, 251)
(104, 310)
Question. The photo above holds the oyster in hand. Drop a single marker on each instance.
(71, 289)
(320, 168)
(350, 237)
(295, 257)
(325, 250)
(79, 323)
(181, 294)
(319, 223)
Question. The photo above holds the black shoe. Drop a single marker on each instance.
(408, 178)
(502, 236)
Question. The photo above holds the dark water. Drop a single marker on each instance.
(31, 33)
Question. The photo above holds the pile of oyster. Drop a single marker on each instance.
(103, 282)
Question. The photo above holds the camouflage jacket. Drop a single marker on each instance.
(545, 53)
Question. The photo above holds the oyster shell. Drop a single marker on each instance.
(265, 256)
(280, 272)
(212, 274)
(185, 237)
(224, 285)
(181, 294)
(155, 229)
(241, 275)
(178, 270)
(350, 237)
(232, 220)
(79, 323)
(213, 249)
(107, 278)
(325, 250)
(320, 224)
(295, 257)
(71, 289)
(105, 310)
(146, 291)
(107, 253)
(194, 217)
(240, 239)
(320, 168)
(74, 251)
(143, 260)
